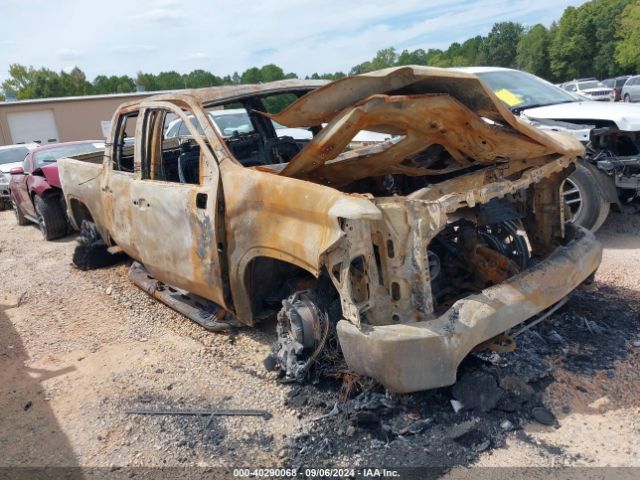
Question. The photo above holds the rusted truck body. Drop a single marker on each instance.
(446, 235)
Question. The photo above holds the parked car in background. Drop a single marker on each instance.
(592, 89)
(10, 156)
(631, 90)
(35, 188)
(609, 173)
(615, 84)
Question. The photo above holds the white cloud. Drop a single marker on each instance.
(66, 54)
(132, 49)
(165, 16)
(196, 56)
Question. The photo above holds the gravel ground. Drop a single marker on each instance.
(78, 349)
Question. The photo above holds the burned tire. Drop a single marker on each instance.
(91, 252)
(583, 195)
(51, 217)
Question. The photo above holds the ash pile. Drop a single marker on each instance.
(495, 396)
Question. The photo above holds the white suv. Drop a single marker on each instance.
(11, 156)
(592, 89)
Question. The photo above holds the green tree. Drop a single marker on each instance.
(170, 80)
(417, 57)
(384, 58)
(327, 76)
(436, 58)
(627, 51)
(533, 51)
(113, 84)
(201, 78)
(500, 46)
(271, 73)
(75, 83)
(251, 75)
(147, 81)
(472, 50)
(584, 40)
(363, 67)
(19, 81)
(606, 15)
(47, 83)
(569, 51)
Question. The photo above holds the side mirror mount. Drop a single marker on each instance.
(17, 171)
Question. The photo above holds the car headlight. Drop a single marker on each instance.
(3, 177)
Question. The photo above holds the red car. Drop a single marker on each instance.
(35, 189)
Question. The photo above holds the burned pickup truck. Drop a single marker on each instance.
(412, 250)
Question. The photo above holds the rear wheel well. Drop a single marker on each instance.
(79, 212)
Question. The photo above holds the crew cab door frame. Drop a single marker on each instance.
(116, 182)
(176, 226)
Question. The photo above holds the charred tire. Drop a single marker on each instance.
(51, 217)
(582, 194)
(21, 219)
(91, 252)
(627, 98)
(4, 204)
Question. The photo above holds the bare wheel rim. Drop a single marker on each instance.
(572, 197)
(41, 224)
(15, 208)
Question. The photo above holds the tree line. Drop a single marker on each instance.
(600, 38)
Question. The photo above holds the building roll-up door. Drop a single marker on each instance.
(37, 126)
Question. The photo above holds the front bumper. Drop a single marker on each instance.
(423, 355)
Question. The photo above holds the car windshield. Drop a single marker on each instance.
(52, 155)
(586, 85)
(520, 90)
(13, 155)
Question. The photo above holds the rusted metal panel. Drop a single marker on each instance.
(282, 218)
(422, 120)
(323, 104)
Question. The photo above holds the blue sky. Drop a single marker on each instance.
(123, 37)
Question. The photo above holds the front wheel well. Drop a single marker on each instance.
(269, 281)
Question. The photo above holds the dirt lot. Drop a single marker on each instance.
(77, 349)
